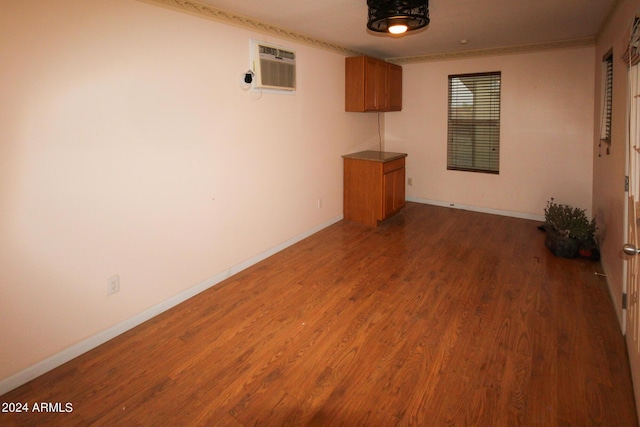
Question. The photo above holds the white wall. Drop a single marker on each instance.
(545, 141)
(128, 147)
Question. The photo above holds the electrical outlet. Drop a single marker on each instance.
(410, 181)
(319, 203)
(113, 285)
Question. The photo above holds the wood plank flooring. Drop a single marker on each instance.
(438, 317)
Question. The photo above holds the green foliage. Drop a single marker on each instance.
(569, 221)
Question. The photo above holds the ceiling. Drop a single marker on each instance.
(484, 24)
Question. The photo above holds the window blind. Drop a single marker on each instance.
(607, 99)
(474, 122)
(631, 53)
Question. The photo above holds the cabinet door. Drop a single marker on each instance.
(394, 87)
(394, 191)
(389, 185)
(375, 84)
(399, 189)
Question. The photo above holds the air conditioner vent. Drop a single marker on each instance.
(275, 68)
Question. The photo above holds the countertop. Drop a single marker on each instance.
(375, 156)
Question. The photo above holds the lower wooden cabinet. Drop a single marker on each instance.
(374, 186)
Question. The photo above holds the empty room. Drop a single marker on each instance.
(334, 213)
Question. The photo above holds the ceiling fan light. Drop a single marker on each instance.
(392, 15)
(397, 25)
(398, 29)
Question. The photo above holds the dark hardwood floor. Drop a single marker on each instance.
(438, 317)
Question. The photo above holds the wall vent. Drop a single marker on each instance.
(274, 66)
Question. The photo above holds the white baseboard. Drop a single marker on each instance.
(94, 341)
(476, 209)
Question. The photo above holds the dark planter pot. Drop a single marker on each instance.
(589, 250)
(560, 246)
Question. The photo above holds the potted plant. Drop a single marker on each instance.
(568, 230)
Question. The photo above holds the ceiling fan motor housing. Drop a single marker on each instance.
(386, 13)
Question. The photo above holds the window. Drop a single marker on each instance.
(474, 123)
(607, 95)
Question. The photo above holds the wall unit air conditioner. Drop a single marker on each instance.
(274, 66)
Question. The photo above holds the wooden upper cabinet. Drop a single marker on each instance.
(372, 85)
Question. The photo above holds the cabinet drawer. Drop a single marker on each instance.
(393, 165)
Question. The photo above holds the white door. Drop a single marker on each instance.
(633, 308)
(632, 324)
